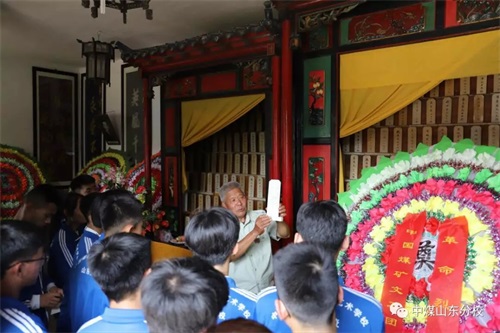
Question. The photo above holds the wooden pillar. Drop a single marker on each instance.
(287, 122)
(276, 138)
(147, 120)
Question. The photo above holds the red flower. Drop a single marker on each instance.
(472, 325)
(416, 190)
(448, 187)
(432, 225)
(353, 282)
(140, 189)
(389, 244)
(419, 288)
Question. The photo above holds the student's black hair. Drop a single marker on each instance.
(71, 202)
(213, 234)
(307, 283)
(95, 210)
(19, 240)
(43, 194)
(119, 263)
(86, 204)
(117, 209)
(323, 223)
(183, 295)
(81, 180)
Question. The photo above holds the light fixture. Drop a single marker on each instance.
(99, 55)
(122, 5)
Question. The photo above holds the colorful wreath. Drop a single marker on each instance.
(20, 173)
(135, 179)
(108, 169)
(445, 199)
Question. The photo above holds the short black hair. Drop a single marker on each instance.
(239, 325)
(213, 234)
(323, 223)
(86, 204)
(19, 240)
(183, 295)
(307, 282)
(119, 263)
(43, 194)
(81, 180)
(71, 202)
(117, 209)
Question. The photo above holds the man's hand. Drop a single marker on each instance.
(50, 300)
(261, 224)
(55, 290)
(282, 210)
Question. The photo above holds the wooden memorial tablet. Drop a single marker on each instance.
(463, 109)
(229, 163)
(389, 121)
(475, 134)
(427, 135)
(253, 164)
(237, 163)
(412, 139)
(208, 201)
(217, 182)
(431, 111)
(225, 178)
(403, 117)
(384, 140)
(203, 184)
(200, 201)
(449, 87)
(416, 113)
(358, 142)
(251, 187)
(262, 166)
(353, 169)
(259, 204)
(496, 83)
(465, 86)
(210, 183)
(446, 110)
(242, 179)
(494, 135)
(244, 164)
(434, 91)
(260, 187)
(481, 84)
(371, 140)
(244, 142)
(458, 133)
(367, 161)
(346, 145)
(442, 131)
(262, 142)
(478, 115)
(495, 108)
(250, 204)
(234, 178)
(216, 200)
(253, 142)
(398, 140)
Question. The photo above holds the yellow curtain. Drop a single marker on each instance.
(202, 118)
(376, 84)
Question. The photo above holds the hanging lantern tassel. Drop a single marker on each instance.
(103, 6)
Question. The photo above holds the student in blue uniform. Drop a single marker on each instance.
(213, 236)
(183, 295)
(307, 283)
(63, 246)
(83, 184)
(89, 204)
(118, 264)
(38, 208)
(118, 212)
(325, 223)
(22, 257)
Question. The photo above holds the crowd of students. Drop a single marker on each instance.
(100, 276)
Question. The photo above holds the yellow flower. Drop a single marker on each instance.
(483, 244)
(378, 235)
(435, 204)
(450, 208)
(402, 212)
(386, 224)
(370, 249)
(486, 262)
(475, 225)
(377, 291)
(417, 205)
(467, 294)
(479, 280)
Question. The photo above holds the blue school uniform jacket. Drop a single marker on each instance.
(116, 320)
(88, 238)
(17, 318)
(241, 303)
(358, 313)
(62, 250)
(41, 286)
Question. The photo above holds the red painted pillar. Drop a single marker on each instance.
(287, 123)
(147, 122)
(276, 138)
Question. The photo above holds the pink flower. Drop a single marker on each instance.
(472, 326)
(416, 190)
(494, 311)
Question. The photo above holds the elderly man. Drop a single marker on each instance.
(251, 267)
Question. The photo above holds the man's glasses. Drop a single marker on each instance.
(44, 259)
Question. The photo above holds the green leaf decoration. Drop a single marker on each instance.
(462, 145)
(444, 144)
(482, 175)
(463, 174)
(421, 150)
(494, 182)
(402, 156)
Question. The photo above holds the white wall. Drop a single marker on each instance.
(16, 100)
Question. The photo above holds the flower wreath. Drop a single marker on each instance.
(108, 169)
(20, 173)
(135, 179)
(446, 181)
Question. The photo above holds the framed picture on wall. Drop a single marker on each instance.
(132, 113)
(55, 123)
(316, 173)
(93, 105)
